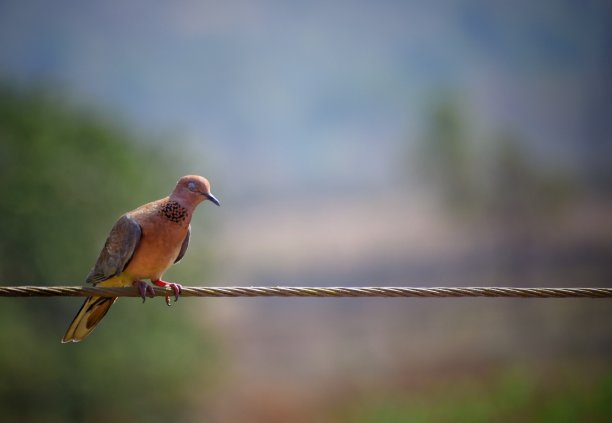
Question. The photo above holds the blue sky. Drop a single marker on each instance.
(317, 91)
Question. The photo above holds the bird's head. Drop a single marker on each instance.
(194, 189)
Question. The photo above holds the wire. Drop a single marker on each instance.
(289, 291)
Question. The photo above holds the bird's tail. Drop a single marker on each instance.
(88, 317)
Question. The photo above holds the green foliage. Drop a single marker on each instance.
(65, 177)
(507, 397)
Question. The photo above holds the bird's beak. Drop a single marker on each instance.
(212, 198)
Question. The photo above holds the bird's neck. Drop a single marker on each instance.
(187, 202)
(174, 211)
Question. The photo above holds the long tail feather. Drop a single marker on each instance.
(91, 313)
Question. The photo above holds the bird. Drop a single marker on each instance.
(142, 244)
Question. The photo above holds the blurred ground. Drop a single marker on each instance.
(312, 358)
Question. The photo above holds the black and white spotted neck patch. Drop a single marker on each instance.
(174, 212)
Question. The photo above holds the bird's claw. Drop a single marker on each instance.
(176, 288)
(144, 289)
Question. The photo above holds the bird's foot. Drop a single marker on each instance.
(144, 289)
(177, 288)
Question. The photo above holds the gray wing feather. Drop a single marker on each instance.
(184, 246)
(118, 250)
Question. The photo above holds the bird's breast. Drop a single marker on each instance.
(159, 245)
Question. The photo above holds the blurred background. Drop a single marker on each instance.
(421, 143)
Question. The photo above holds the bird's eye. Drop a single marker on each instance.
(191, 186)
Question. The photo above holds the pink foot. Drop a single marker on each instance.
(144, 289)
(177, 288)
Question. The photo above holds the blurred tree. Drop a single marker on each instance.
(497, 178)
(497, 185)
(65, 176)
(446, 158)
(521, 189)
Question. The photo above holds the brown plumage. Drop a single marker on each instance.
(142, 244)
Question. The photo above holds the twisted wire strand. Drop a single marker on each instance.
(290, 291)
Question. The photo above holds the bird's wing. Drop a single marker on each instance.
(118, 250)
(184, 246)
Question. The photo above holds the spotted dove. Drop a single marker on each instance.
(142, 244)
